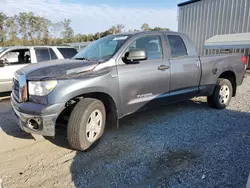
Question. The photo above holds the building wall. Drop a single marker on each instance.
(206, 18)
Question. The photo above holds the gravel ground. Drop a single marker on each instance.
(182, 145)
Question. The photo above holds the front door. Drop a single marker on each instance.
(145, 82)
(13, 61)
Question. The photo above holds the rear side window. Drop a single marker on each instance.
(42, 54)
(177, 46)
(68, 52)
(52, 54)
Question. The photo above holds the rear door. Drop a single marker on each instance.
(185, 69)
(45, 54)
(144, 83)
(42, 54)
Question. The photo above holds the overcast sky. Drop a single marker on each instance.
(91, 16)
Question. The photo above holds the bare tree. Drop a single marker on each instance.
(119, 28)
(68, 32)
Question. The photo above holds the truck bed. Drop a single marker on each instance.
(213, 66)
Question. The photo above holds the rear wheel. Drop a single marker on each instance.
(86, 124)
(222, 94)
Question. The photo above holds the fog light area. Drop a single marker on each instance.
(34, 123)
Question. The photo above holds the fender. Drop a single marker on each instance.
(72, 88)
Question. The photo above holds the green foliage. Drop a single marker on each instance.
(30, 29)
(159, 29)
(145, 27)
(2, 28)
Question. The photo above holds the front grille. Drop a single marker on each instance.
(16, 89)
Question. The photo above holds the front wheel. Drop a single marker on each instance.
(86, 124)
(222, 94)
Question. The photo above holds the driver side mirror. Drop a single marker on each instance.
(1, 63)
(135, 55)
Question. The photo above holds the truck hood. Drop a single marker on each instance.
(62, 68)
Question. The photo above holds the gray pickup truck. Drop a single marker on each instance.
(118, 75)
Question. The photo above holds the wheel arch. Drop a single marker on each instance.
(108, 101)
(111, 107)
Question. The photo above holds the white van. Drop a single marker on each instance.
(14, 58)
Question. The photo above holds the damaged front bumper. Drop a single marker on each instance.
(36, 118)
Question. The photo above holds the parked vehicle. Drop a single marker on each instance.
(118, 75)
(14, 58)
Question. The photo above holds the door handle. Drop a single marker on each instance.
(163, 67)
(198, 63)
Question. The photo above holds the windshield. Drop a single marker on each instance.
(102, 49)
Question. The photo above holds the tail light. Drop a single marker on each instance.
(244, 59)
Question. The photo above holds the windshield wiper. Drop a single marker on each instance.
(86, 59)
(83, 58)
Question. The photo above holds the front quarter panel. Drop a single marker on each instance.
(103, 81)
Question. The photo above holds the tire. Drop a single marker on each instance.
(222, 94)
(82, 119)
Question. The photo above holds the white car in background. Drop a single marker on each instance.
(14, 58)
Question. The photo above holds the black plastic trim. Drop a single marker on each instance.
(187, 2)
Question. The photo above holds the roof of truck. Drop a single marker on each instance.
(144, 32)
(38, 46)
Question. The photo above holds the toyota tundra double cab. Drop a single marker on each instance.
(118, 75)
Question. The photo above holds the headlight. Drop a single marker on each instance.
(41, 88)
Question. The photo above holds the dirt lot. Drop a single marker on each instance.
(182, 145)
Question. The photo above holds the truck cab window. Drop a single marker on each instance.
(67, 52)
(42, 54)
(177, 46)
(151, 44)
(17, 57)
(52, 54)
